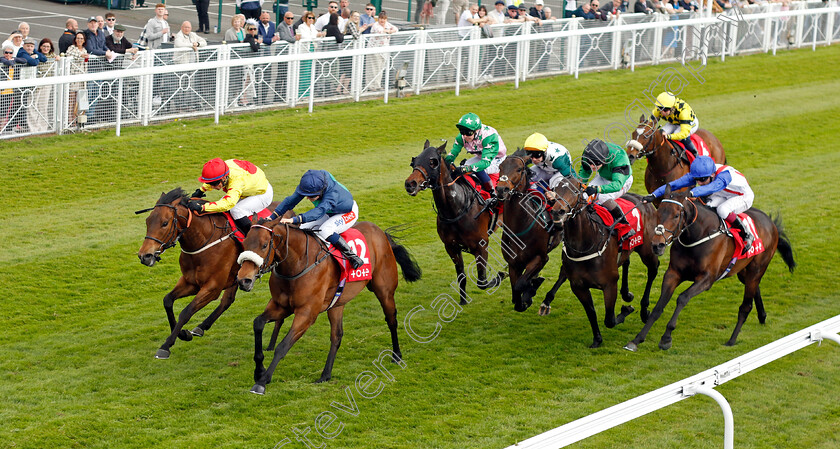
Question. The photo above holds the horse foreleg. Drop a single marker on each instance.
(585, 298)
(336, 316)
(227, 300)
(303, 319)
(624, 263)
(457, 257)
(201, 299)
(652, 264)
(528, 283)
(545, 307)
(699, 286)
(759, 305)
(182, 288)
(610, 297)
(514, 274)
(274, 334)
(669, 283)
(274, 313)
(750, 288)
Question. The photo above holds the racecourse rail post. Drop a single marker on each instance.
(728, 419)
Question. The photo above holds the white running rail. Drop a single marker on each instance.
(702, 383)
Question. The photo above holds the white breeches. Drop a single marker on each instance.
(329, 224)
(728, 203)
(544, 177)
(600, 181)
(253, 204)
(670, 128)
(494, 164)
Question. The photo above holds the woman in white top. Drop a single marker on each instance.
(379, 37)
(307, 32)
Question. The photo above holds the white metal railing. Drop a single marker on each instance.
(702, 383)
(66, 95)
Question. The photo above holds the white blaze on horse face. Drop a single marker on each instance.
(639, 131)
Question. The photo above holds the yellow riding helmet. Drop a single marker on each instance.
(666, 100)
(536, 142)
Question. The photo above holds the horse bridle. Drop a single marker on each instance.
(427, 180)
(175, 231)
(574, 209)
(434, 185)
(660, 229)
(515, 191)
(642, 150)
(321, 248)
(266, 266)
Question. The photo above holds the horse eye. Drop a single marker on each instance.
(165, 223)
(265, 245)
(433, 163)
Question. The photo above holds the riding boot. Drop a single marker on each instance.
(618, 216)
(488, 187)
(243, 224)
(748, 237)
(341, 245)
(689, 145)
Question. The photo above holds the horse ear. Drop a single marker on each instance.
(426, 145)
(442, 148)
(642, 118)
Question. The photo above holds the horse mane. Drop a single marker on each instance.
(172, 195)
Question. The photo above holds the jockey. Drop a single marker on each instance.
(551, 161)
(728, 190)
(485, 145)
(247, 191)
(613, 179)
(682, 122)
(335, 210)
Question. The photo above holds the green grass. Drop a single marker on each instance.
(82, 318)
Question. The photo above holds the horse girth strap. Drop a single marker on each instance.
(588, 256)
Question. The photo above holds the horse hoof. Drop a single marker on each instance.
(258, 389)
(631, 347)
(198, 332)
(322, 379)
(184, 335)
(627, 310)
(595, 344)
(730, 343)
(544, 310)
(629, 297)
(664, 345)
(162, 354)
(463, 302)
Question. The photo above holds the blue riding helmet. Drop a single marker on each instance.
(312, 183)
(702, 167)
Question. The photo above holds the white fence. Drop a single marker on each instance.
(66, 95)
(702, 383)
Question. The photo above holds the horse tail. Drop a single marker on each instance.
(410, 269)
(784, 247)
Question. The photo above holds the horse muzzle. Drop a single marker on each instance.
(411, 187)
(148, 259)
(246, 284)
(659, 248)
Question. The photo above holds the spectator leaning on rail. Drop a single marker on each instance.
(538, 10)
(117, 42)
(31, 56)
(498, 14)
(247, 191)
(335, 210)
(15, 40)
(468, 19)
(267, 30)
(69, 35)
(324, 20)
(585, 11)
(95, 39)
(682, 122)
(548, 15)
(368, 18)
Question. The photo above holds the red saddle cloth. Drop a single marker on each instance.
(265, 213)
(633, 217)
(494, 179)
(699, 145)
(757, 246)
(357, 243)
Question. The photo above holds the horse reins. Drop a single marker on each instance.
(175, 231)
(306, 255)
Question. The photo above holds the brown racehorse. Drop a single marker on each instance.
(590, 254)
(701, 253)
(529, 235)
(304, 280)
(666, 161)
(208, 261)
(463, 224)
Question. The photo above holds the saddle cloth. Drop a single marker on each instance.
(699, 145)
(633, 217)
(757, 246)
(494, 179)
(357, 242)
(265, 213)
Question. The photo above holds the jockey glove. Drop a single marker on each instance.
(648, 199)
(198, 193)
(591, 190)
(449, 159)
(457, 171)
(196, 206)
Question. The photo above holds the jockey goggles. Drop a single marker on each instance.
(663, 109)
(535, 153)
(466, 132)
(703, 178)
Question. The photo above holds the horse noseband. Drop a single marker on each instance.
(659, 229)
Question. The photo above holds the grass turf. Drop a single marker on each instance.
(83, 318)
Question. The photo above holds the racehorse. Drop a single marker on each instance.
(304, 282)
(529, 235)
(666, 160)
(590, 253)
(699, 254)
(463, 224)
(208, 261)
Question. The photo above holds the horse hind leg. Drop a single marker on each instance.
(336, 316)
(759, 306)
(227, 300)
(624, 262)
(545, 307)
(744, 310)
(385, 295)
(695, 289)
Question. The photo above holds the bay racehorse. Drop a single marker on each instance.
(529, 234)
(463, 223)
(701, 252)
(304, 281)
(666, 160)
(207, 260)
(591, 255)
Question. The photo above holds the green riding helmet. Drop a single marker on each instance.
(469, 121)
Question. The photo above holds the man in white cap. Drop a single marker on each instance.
(537, 10)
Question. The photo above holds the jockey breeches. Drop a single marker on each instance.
(253, 204)
(494, 164)
(670, 128)
(545, 178)
(600, 181)
(726, 204)
(337, 223)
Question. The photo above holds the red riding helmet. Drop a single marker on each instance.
(214, 170)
